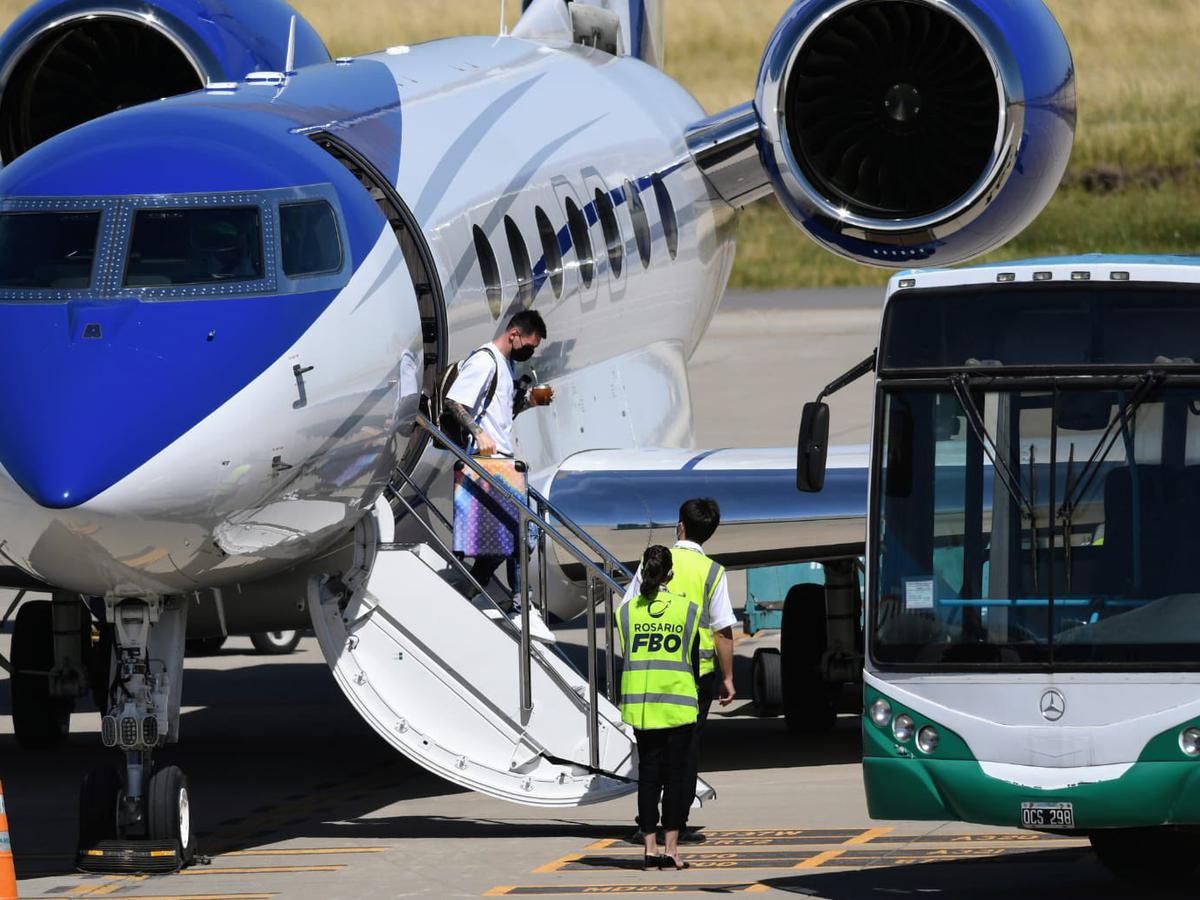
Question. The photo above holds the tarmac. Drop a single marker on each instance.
(293, 796)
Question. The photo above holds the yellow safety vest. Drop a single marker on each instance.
(696, 577)
(658, 688)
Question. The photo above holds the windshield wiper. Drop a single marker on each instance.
(1075, 490)
(1010, 479)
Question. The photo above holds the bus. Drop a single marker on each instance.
(1032, 614)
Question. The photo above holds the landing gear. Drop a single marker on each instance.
(169, 811)
(1162, 856)
(99, 796)
(139, 819)
(275, 643)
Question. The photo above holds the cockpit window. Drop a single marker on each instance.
(309, 235)
(200, 245)
(47, 250)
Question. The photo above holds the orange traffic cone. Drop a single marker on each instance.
(8, 875)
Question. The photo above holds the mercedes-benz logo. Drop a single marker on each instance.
(1053, 705)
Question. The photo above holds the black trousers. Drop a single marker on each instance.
(704, 695)
(662, 771)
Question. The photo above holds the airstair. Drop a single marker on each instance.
(456, 686)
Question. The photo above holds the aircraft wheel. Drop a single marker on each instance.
(767, 682)
(206, 646)
(275, 643)
(808, 703)
(168, 811)
(39, 720)
(99, 796)
(1161, 856)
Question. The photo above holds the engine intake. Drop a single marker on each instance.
(66, 62)
(902, 132)
(893, 109)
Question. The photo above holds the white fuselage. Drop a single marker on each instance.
(493, 129)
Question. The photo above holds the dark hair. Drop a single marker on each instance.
(528, 321)
(656, 570)
(700, 517)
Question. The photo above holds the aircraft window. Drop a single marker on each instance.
(666, 212)
(641, 225)
(488, 270)
(48, 250)
(520, 258)
(201, 245)
(582, 239)
(311, 244)
(612, 231)
(550, 251)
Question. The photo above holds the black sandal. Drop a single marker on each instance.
(651, 862)
(669, 861)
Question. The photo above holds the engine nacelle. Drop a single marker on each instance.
(913, 132)
(65, 62)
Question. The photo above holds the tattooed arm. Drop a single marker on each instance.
(483, 441)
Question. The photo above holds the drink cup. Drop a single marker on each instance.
(541, 394)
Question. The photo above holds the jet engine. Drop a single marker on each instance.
(65, 62)
(903, 132)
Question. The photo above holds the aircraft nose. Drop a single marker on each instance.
(95, 389)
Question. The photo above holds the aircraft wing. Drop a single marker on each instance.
(629, 499)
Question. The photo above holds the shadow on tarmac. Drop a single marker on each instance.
(1062, 874)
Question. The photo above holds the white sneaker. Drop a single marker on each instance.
(538, 629)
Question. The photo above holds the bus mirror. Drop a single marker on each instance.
(812, 446)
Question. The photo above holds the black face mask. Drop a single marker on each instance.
(524, 354)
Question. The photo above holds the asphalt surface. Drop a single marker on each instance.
(294, 796)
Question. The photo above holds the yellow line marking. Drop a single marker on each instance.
(819, 859)
(757, 889)
(499, 891)
(602, 845)
(867, 836)
(259, 870)
(266, 896)
(82, 889)
(557, 864)
(305, 851)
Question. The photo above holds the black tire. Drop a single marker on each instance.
(1149, 856)
(205, 646)
(39, 720)
(767, 681)
(275, 643)
(168, 811)
(808, 702)
(98, 798)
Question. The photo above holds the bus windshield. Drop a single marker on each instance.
(1038, 526)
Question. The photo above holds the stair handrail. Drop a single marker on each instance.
(595, 574)
(528, 511)
(595, 546)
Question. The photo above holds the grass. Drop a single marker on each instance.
(1134, 179)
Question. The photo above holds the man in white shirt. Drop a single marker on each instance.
(694, 576)
(487, 413)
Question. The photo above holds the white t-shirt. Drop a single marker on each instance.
(475, 373)
(720, 607)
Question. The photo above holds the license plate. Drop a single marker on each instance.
(1047, 815)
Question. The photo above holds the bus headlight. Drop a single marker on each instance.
(927, 739)
(902, 728)
(1189, 741)
(881, 713)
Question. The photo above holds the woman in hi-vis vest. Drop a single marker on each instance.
(658, 698)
